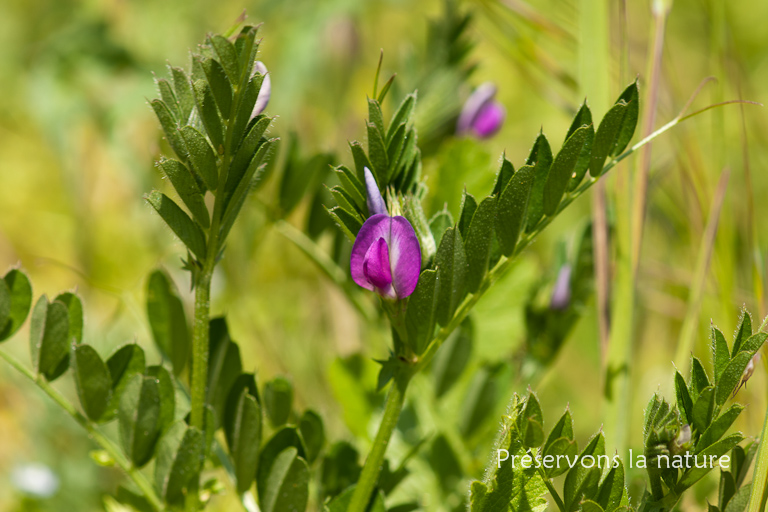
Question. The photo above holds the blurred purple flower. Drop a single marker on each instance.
(561, 295)
(264, 92)
(375, 201)
(482, 115)
(386, 256)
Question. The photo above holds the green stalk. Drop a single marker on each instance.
(373, 463)
(133, 473)
(200, 339)
(759, 496)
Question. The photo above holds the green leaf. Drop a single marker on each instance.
(478, 242)
(562, 169)
(245, 153)
(349, 223)
(227, 56)
(466, 212)
(718, 428)
(209, 114)
(560, 442)
(401, 115)
(744, 332)
(286, 437)
(352, 186)
(512, 209)
(298, 175)
(530, 423)
(186, 186)
(740, 500)
(179, 460)
(138, 417)
(166, 393)
(167, 320)
(244, 111)
(606, 137)
(235, 202)
(374, 115)
(340, 469)
(583, 118)
(699, 378)
(540, 159)
(94, 383)
(611, 490)
(753, 343)
(479, 400)
(183, 92)
(505, 174)
(246, 48)
(126, 362)
(201, 156)
(220, 86)
(720, 352)
(245, 382)
(693, 475)
(395, 149)
(19, 301)
(582, 482)
(278, 400)
(439, 223)
(244, 440)
(169, 97)
(312, 433)
(684, 401)
(362, 161)
(452, 358)
(187, 231)
(420, 315)
(170, 128)
(75, 312)
(731, 377)
(48, 337)
(555, 451)
(507, 485)
(287, 487)
(631, 97)
(451, 263)
(703, 409)
(224, 366)
(378, 153)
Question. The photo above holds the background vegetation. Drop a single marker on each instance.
(78, 142)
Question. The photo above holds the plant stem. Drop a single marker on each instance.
(373, 463)
(133, 473)
(200, 350)
(759, 495)
(552, 490)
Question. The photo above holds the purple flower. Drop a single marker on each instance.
(482, 115)
(386, 257)
(375, 201)
(264, 92)
(561, 295)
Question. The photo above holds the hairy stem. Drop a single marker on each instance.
(200, 335)
(133, 473)
(373, 463)
(552, 491)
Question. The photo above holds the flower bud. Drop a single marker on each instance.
(481, 116)
(374, 200)
(264, 92)
(415, 214)
(561, 295)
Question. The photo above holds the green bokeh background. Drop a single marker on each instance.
(78, 142)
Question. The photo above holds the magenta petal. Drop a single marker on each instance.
(405, 255)
(386, 256)
(479, 97)
(377, 226)
(376, 265)
(489, 119)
